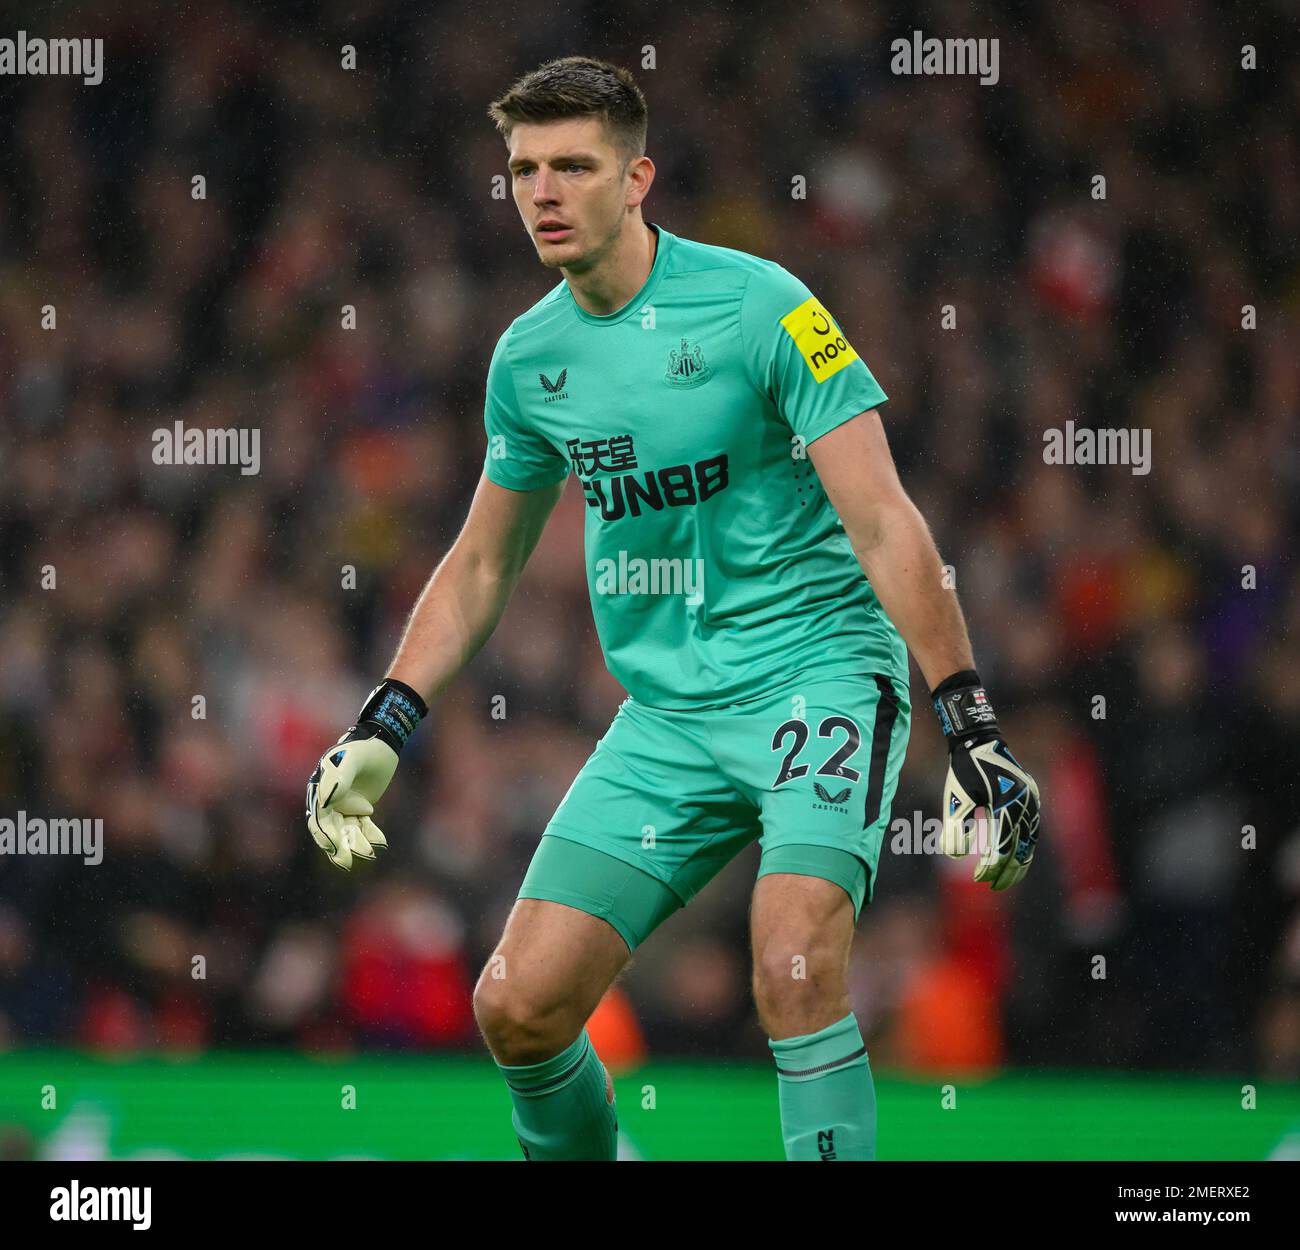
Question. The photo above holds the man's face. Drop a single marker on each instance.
(570, 187)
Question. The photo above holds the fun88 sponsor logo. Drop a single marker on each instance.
(641, 490)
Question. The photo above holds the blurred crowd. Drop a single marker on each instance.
(179, 643)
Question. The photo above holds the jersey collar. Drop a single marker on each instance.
(637, 302)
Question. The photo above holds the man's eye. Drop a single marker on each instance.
(572, 167)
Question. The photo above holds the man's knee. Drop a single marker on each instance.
(794, 966)
(800, 981)
(519, 1025)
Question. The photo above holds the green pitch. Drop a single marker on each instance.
(453, 1108)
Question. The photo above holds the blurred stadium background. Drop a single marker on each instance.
(372, 187)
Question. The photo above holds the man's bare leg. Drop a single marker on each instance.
(532, 1002)
(802, 931)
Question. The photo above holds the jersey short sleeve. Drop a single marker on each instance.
(517, 456)
(800, 358)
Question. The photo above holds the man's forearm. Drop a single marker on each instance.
(454, 616)
(903, 566)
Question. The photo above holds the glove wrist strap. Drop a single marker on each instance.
(394, 709)
(963, 708)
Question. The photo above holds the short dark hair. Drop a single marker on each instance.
(577, 86)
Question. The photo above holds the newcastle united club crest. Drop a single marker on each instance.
(687, 366)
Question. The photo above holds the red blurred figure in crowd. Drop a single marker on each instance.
(404, 979)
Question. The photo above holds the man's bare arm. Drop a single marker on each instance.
(464, 599)
(987, 790)
(893, 544)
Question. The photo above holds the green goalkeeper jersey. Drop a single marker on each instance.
(717, 568)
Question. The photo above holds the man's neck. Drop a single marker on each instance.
(608, 286)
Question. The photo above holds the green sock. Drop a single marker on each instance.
(827, 1097)
(560, 1107)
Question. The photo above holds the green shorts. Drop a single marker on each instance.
(669, 798)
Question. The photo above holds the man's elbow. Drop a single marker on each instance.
(872, 527)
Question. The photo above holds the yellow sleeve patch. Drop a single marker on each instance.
(824, 349)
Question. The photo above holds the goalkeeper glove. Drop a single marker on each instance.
(982, 773)
(356, 770)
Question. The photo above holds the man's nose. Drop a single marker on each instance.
(543, 192)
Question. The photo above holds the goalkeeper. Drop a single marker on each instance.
(718, 421)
